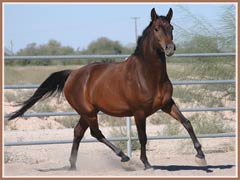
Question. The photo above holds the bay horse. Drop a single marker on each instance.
(138, 86)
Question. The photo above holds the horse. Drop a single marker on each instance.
(138, 87)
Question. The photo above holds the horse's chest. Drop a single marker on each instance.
(163, 96)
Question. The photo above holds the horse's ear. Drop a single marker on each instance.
(154, 15)
(169, 14)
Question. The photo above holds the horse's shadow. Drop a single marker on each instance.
(64, 168)
(207, 169)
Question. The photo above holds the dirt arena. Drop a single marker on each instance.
(170, 158)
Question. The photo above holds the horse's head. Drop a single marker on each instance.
(162, 30)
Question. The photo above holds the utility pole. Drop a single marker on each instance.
(11, 47)
(135, 22)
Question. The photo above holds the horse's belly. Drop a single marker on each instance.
(110, 102)
(119, 109)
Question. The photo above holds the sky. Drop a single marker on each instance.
(78, 24)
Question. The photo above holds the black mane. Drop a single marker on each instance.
(144, 34)
(141, 38)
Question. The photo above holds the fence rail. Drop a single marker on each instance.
(215, 135)
(110, 56)
(228, 81)
(46, 114)
(128, 138)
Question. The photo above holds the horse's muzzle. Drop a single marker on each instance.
(170, 49)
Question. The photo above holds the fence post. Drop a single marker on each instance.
(129, 141)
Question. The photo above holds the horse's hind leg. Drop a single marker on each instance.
(95, 132)
(173, 110)
(79, 131)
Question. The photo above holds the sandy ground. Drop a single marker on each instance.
(169, 157)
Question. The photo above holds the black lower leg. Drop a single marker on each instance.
(142, 136)
(173, 110)
(143, 157)
(100, 137)
(79, 131)
(187, 124)
(73, 157)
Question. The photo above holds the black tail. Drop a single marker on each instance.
(54, 83)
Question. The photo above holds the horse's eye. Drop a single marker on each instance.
(156, 29)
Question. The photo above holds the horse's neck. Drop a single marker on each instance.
(154, 61)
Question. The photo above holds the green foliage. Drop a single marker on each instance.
(228, 26)
(121, 131)
(204, 124)
(68, 122)
(53, 47)
(104, 45)
(199, 44)
(172, 128)
(199, 36)
(202, 36)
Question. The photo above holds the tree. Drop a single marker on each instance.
(53, 47)
(199, 44)
(228, 27)
(202, 36)
(104, 45)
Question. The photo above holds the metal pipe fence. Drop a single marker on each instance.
(110, 56)
(128, 138)
(227, 81)
(47, 114)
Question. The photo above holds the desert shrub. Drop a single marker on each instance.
(172, 128)
(68, 122)
(159, 118)
(121, 131)
(204, 124)
(107, 120)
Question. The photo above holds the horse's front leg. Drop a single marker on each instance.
(173, 111)
(140, 121)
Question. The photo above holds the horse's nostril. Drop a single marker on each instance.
(171, 46)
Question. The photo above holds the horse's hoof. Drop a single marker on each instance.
(128, 166)
(125, 159)
(148, 168)
(201, 161)
(72, 168)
